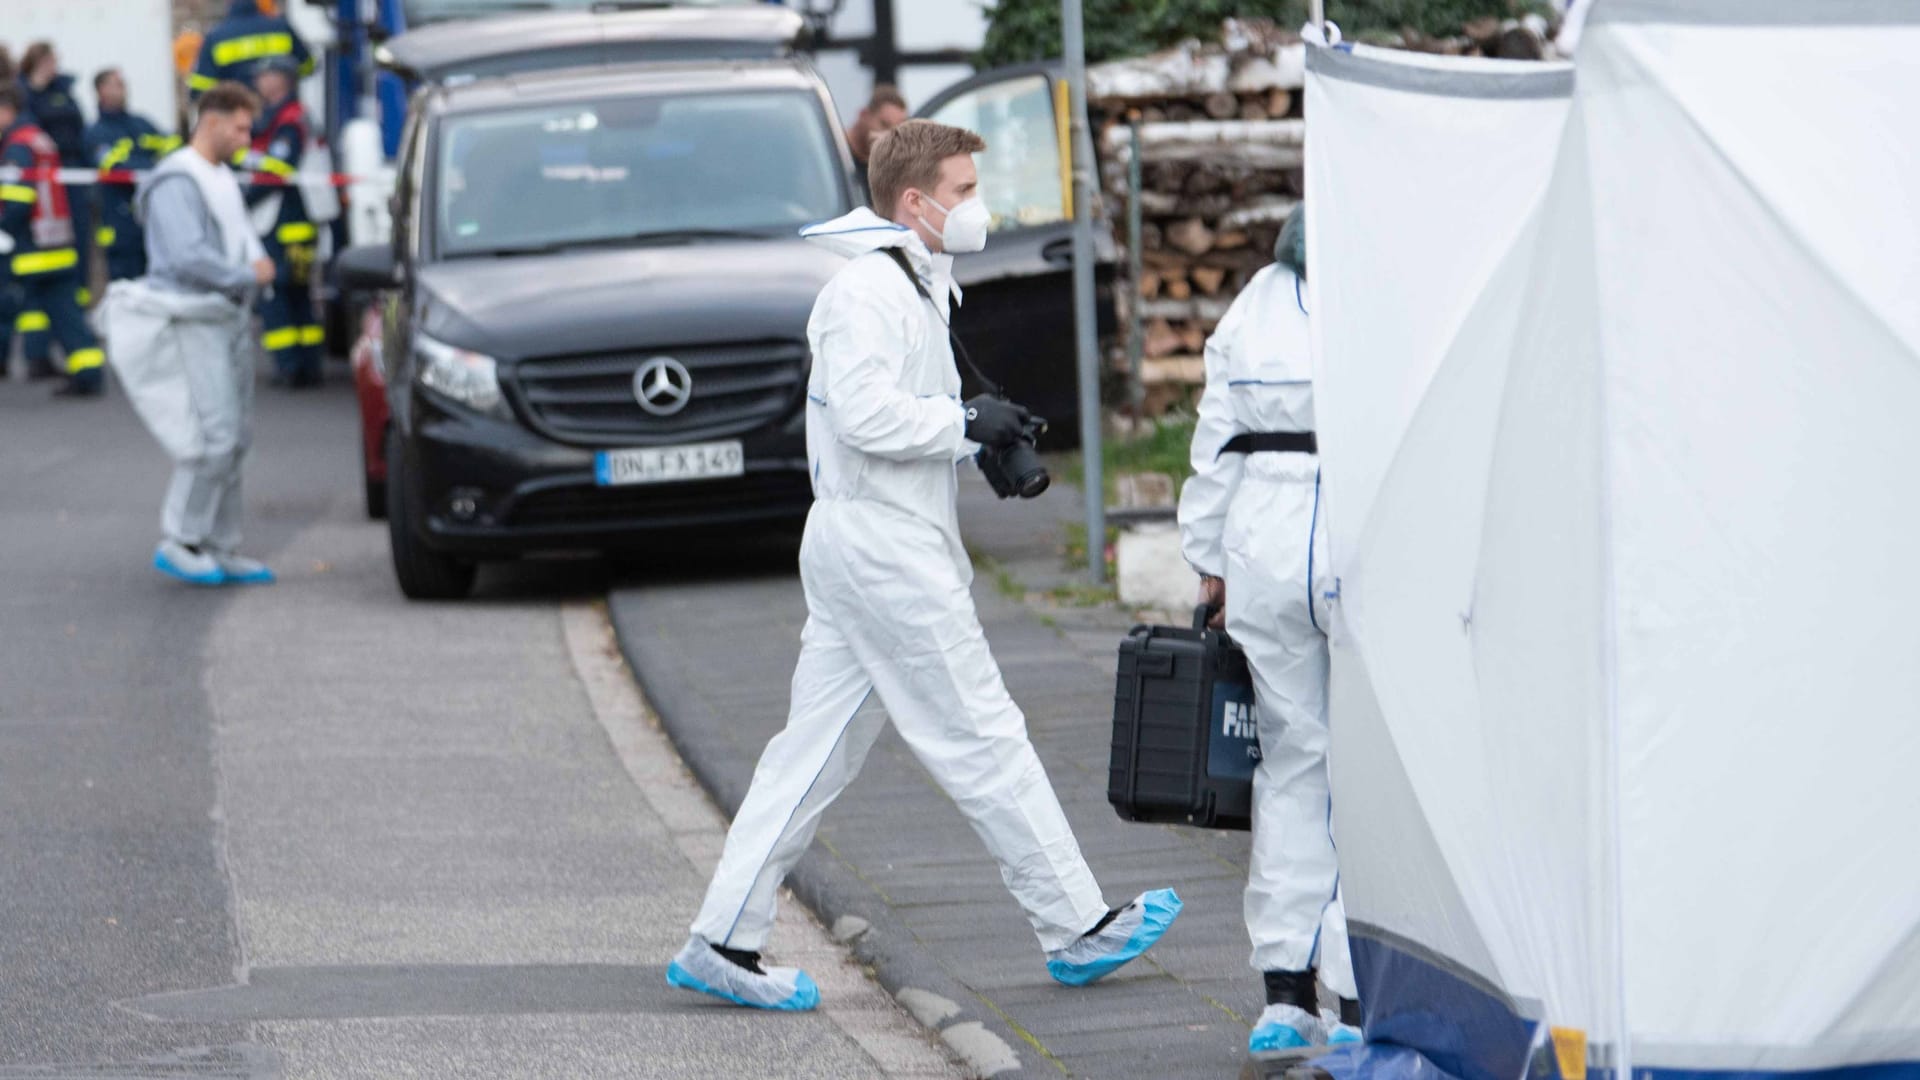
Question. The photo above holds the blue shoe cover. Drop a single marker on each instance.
(1131, 933)
(177, 562)
(1285, 1028)
(1339, 1034)
(699, 968)
(240, 570)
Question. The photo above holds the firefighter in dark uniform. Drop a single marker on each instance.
(41, 258)
(253, 33)
(121, 140)
(52, 108)
(290, 333)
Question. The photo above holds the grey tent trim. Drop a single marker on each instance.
(1756, 12)
(1527, 81)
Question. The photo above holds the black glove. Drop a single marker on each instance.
(995, 422)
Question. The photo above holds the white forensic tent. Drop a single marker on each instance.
(1618, 395)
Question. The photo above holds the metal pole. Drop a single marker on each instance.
(1074, 42)
(1317, 11)
(1136, 328)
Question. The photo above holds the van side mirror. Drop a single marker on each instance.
(368, 268)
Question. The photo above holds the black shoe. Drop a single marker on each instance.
(79, 390)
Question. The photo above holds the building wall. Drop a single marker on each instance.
(89, 35)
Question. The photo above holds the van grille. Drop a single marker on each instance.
(752, 497)
(589, 398)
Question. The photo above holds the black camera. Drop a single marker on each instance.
(1015, 469)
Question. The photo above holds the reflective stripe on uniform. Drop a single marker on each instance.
(160, 144)
(19, 193)
(284, 338)
(83, 296)
(296, 232)
(201, 82)
(251, 47)
(106, 235)
(275, 166)
(121, 151)
(313, 335)
(32, 321)
(40, 262)
(80, 360)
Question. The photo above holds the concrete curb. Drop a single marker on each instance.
(833, 889)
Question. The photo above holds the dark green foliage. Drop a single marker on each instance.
(1025, 30)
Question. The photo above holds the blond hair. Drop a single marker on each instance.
(909, 156)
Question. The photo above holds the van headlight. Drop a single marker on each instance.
(470, 378)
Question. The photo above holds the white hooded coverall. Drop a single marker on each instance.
(889, 611)
(180, 339)
(1253, 519)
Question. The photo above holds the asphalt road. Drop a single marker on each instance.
(312, 830)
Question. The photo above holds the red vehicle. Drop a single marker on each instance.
(370, 383)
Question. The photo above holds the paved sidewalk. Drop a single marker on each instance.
(896, 869)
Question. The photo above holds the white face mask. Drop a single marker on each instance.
(966, 228)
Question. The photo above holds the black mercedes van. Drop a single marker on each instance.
(596, 308)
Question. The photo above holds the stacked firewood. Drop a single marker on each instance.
(1221, 135)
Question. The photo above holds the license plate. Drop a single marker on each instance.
(666, 464)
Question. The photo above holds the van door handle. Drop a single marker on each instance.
(1058, 252)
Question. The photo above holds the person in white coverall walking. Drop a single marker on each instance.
(1250, 525)
(889, 613)
(179, 339)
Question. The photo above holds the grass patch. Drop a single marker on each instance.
(1166, 450)
(1005, 582)
(1083, 595)
(1073, 547)
(1003, 579)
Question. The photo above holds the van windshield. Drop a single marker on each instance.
(634, 169)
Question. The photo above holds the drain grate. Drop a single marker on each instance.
(242, 1061)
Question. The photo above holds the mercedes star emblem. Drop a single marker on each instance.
(662, 386)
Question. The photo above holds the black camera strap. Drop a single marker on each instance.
(899, 258)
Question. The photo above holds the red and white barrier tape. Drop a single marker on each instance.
(86, 177)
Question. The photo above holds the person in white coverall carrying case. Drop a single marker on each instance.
(1250, 524)
(889, 612)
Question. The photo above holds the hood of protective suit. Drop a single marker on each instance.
(1290, 247)
(169, 166)
(863, 230)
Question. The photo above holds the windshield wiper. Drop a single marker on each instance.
(677, 236)
(630, 239)
(509, 252)
(662, 236)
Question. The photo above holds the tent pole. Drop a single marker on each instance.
(1317, 13)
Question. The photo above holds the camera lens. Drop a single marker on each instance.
(1022, 466)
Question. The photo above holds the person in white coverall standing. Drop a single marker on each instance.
(1250, 525)
(889, 612)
